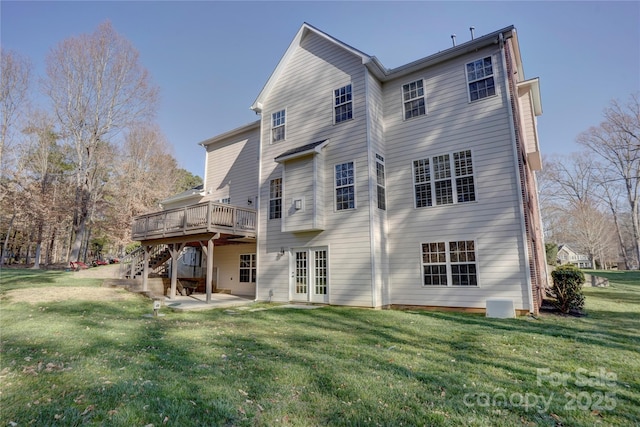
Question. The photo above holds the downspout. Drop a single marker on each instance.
(517, 172)
(370, 162)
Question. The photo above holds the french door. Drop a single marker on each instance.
(310, 275)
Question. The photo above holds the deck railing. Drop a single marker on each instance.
(206, 217)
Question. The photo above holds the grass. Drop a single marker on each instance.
(83, 362)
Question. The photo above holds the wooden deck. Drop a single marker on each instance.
(203, 218)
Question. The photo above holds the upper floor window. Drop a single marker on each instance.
(343, 104)
(345, 186)
(413, 99)
(247, 268)
(444, 179)
(380, 183)
(275, 198)
(480, 79)
(278, 120)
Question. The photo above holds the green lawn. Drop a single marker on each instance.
(81, 362)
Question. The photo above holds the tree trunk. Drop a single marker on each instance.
(6, 240)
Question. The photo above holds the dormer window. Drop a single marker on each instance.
(343, 104)
(480, 79)
(278, 120)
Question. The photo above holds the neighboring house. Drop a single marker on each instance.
(566, 255)
(366, 186)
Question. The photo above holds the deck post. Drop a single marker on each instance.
(174, 249)
(145, 268)
(209, 278)
(208, 251)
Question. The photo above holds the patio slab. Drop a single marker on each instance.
(199, 302)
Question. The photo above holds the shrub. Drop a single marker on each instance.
(567, 288)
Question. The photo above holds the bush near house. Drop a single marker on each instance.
(567, 288)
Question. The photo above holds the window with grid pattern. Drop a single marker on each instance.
(413, 99)
(345, 186)
(465, 188)
(480, 79)
(278, 121)
(343, 104)
(444, 180)
(449, 263)
(422, 183)
(380, 183)
(248, 268)
(434, 264)
(463, 263)
(275, 198)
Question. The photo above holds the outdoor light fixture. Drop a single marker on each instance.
(282, 251)
(297, 204)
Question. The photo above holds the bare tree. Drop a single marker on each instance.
(97, 88)
(617, 142)
(14, 85)
(149, 173)
(572, 198)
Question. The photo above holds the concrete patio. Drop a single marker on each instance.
(199, 302)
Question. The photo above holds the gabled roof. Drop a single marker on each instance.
(192, 193)
(376, 67)
(303, 32)
(231, 133)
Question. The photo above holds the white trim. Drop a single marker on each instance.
(449, 264)
(493, 69)
(452, 178)
(284, 197)
(370, 159)
(333, 104)
(270, 199)
(283, 125)
(355, 195)
(424, 95)
(255, 266)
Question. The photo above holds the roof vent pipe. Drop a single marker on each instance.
(453, 39)
(472, 29)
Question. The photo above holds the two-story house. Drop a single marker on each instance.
(366, 186)
(566, 255)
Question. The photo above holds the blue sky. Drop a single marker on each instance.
(211, 59)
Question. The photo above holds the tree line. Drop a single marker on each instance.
(76, 170)
(590, 199)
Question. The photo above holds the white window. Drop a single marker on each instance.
(480, 79)
(225, 200)
(275, 198)
(413, 99)
(449, 263)
(248, 268)
(380, 183)
(343, 104)
(444, 180)
(345, 186)
(278, 120)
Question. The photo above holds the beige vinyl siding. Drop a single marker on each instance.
(528, 122)
(232, 169)
(378, 230)
(305, 88)
(454, 124)
(298, 182)
(227, 260)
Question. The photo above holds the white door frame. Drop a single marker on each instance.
(313, 267)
